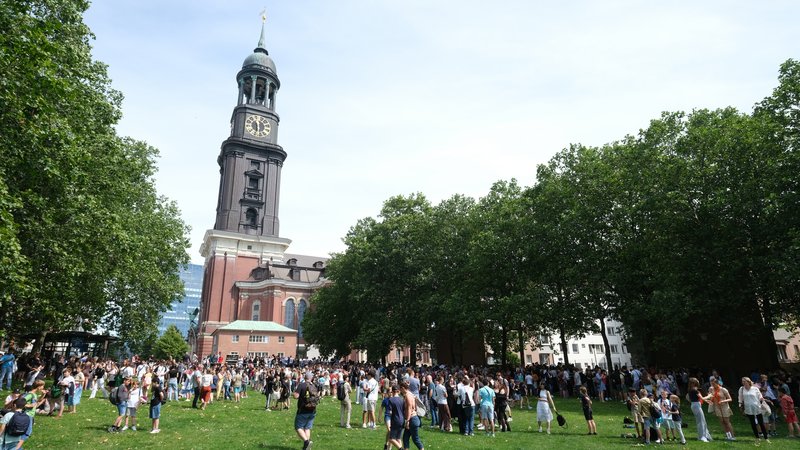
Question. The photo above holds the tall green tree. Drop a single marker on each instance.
(96, 244)
(171, 344)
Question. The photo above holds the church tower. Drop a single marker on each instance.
(251, 159)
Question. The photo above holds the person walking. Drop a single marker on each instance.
(501, 404)
(122, 404)
(156, 399)
(412, 421)
(677, 419)
(307, 399)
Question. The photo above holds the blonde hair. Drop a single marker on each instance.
(675, 399)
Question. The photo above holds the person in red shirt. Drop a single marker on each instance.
(787, 405)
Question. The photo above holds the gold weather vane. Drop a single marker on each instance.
(263, 15)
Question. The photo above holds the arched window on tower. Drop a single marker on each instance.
(256, 315)
(289, 319)
(301, 312)
(251, 217)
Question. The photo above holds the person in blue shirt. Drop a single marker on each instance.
(487, 395)
(7, 368)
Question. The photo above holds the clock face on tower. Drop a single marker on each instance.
(258, 126)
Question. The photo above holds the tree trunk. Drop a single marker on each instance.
(504, 348)
(39, 342)
(563, 338)
(609, 363)
(412, 355)
(771, 349)
(521, 338)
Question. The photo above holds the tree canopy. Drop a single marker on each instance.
(85, 236)
(688, 232)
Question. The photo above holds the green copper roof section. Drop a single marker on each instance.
(262, 40)
(257, 325)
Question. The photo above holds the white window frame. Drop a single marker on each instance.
(235, 338)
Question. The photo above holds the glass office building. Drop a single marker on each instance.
(182, 311)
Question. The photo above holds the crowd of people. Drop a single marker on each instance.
(395, 397)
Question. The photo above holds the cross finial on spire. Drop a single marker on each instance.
(263, 15)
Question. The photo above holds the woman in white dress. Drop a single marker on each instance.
(543, 411)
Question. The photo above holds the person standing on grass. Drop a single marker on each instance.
(67, 383)
(750, 401)
(156, 399)
(135, 395)
(675, 409)
(586, 405)
(205, 388)
(543, 411)
(15, 439)
(394, 417)
(787, 406)
(487, 396)
(445, 419)
(644, 406)
(720, 399)
(371, 393)
(695, 397)
(343, 390)
(307, 398)
(197, 382)
(122, 405)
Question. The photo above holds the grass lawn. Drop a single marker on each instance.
(225, 425)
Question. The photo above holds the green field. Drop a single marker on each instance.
(225, 425)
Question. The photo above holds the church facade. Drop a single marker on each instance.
(254, 293)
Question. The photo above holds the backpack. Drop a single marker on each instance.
(311, 398)
(18, 425)
(655, 412)
(113, 397)
(628, 379)
(340, 393)
(420, 407)
(467, 400)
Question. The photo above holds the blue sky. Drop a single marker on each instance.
(382, 98)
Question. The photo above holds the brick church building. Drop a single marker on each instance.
(254, 294)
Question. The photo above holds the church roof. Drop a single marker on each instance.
(256, 325)
(260, 56)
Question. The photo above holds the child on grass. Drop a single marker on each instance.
(134, 398)
(787, 406)
(156, 399)
(675, 409)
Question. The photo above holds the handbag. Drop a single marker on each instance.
(420, 408)
(765, 409)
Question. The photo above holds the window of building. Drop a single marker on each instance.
(796, 352)
(252, 183)
(544, 339)
(235, 338)
(257, 354)
(782, 353)
(281, 339)
(280, 354)
(529, 359)
(258, 339)
(256, 315)
(233, 355)
(614, 349)
(574, 348)
(624, 349)
(577, 365)
(610, 331)
(596, 348)
(254, 165)
(301, 312)
(251, 217)
(289, 318)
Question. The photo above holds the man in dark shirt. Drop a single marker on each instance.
(156, 399)
(306, 395)
(122, 406)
